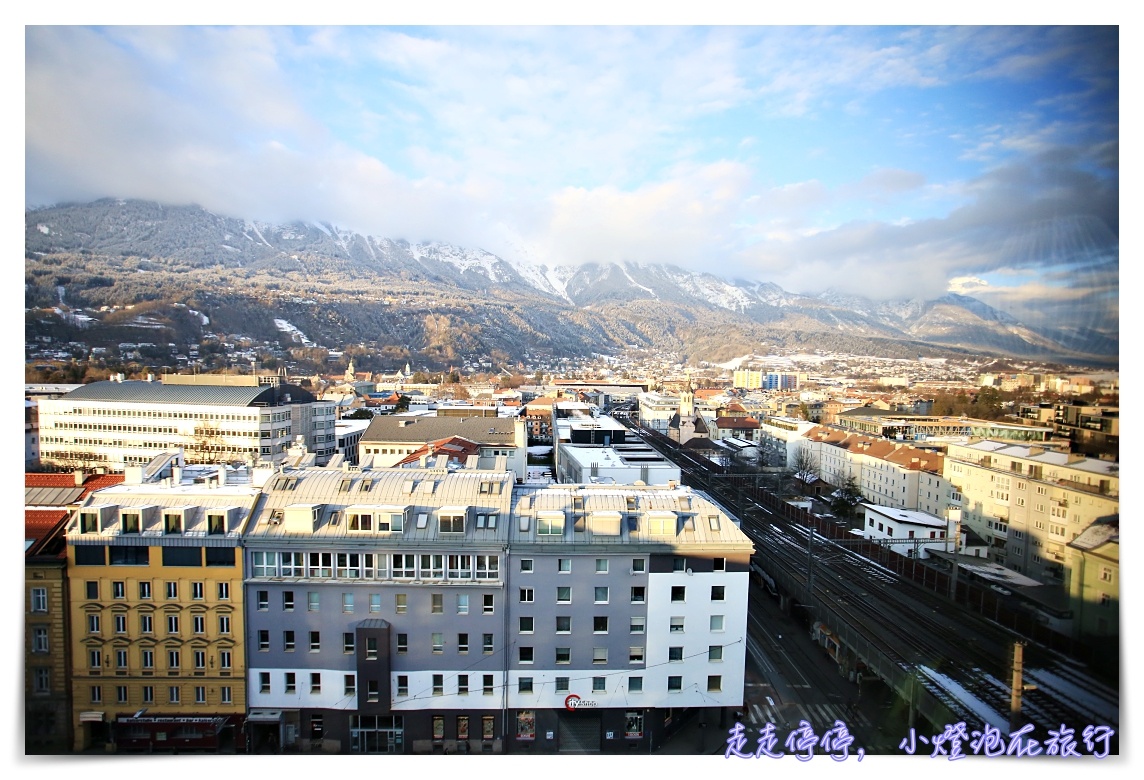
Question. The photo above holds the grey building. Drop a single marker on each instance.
(442, 609)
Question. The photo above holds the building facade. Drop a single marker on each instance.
(440, 609)
(389, 440)
(116, 424)
(156, 610)
(1029, 503)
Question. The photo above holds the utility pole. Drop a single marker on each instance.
(1018, 686)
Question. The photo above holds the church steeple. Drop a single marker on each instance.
(350, 371)
(687, 400)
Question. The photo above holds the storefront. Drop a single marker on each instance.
(211, 734)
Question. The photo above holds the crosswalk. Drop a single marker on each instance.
(820, 716)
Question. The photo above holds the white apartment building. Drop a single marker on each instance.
(116, 424)
(657, 409)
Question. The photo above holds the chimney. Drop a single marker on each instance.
(79, 478)
(221, 474)
(176, 476)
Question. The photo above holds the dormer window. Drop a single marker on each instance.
(452, 522)
(365, 485)
(172, 524)
(216, 525)
(361, 522)
(130, 523)
(88, 523)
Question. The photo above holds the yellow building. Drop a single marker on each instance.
(155, 573)
(1029, 503)
(1094, 592)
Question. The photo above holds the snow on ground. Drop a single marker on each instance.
(957, 691)
(286, 327)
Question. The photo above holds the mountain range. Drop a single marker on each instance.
(440, 302)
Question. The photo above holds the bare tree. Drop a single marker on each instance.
(803, 467)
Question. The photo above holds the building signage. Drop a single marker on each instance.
(574, 702)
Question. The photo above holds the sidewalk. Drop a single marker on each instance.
(697, 736)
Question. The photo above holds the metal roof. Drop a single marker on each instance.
(483, 430)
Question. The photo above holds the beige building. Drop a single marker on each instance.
(1030, 503)
(1094, 589)
(389, 440)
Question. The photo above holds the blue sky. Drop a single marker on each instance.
(882, 161)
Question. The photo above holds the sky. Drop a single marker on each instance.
(884, 161)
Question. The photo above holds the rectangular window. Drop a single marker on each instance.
(674, 683)
(120, 694)
(288, 641)
(145, 590)
(714, 683)
(120, 659)
(438, 642)
(717, 592)
(375, 602)
(636, 624)
(562, 684)
(172, 590)
(678, 593)
(676, 625)
(639, 565)
(199, 624)
(148, 694)
(599, 655)
(94, 659)
(564, 655)
(315, 641)
(524, 685)
(526, 624)
(197, 591)
(601, 565)
(402, 685)
(402, 644)
(564, 595)
(487, 685)
(526, 595)
(40, 599)
(462, 643)
(600, 624)
(313, 600)
(224, 591)
(264, 682)
(525, 565)
(635, 655)
(264, 640)
(436, 603)
(350, 682)
(121, 624)
(635, 685)
(291, 681)
(93, 624)
(348, 642)
(315, 682)
(263, 598)
(488, 726)
(173, 659)
(564, 565)
(675, 654)
(224, 624)
(400, 603)
(715, 653)
(200, 659)
(372, 691)
(525, 655)
(488, 602)
(40, 640)
(287, 601)
(719, 564)
(118, 590)
(96, 694)
(563, 624)
(148, 658)
(601, 594)
(347, 602)
(599, 685)
(716, 622)
(487, 643)
(438, 685)
(639, 594)
(225, 695)
(462, 685)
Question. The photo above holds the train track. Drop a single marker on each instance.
(962, 658)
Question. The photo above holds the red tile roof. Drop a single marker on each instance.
(39, 523)
(91, 483)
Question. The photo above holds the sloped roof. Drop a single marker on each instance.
(483, 430)
(457, 448)
(736, 422)
(61, 489)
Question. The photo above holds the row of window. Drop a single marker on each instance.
(119, 592)
(198, 623)
(369, 566)
(200, 661)
(174, 694)
(400, 602)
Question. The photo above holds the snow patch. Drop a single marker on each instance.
(43, 229)
(286, 327)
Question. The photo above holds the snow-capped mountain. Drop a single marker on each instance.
(624, 302)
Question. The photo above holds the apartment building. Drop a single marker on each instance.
(1030, 503)
(156, 609)
(450, 609)
(1094, 588)
(116, 424)
(657, 409)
